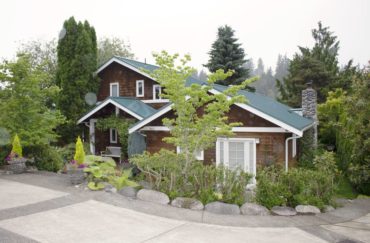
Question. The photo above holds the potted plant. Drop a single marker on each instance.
(75, 168)
(15, 161)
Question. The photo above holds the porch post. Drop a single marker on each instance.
(92, 135)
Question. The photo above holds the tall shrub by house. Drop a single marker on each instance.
(80, 153)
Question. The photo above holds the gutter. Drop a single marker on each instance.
(287, 148)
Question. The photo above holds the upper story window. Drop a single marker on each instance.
(139, 88)
(114, 90)
(157, 90)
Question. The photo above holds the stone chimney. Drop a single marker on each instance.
(309, 109)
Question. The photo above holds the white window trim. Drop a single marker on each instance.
(201, 157)
(160, 91)
(110, 89)
(110, 135)
(137, 88)
(226, 152)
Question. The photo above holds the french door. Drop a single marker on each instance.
(237, 153)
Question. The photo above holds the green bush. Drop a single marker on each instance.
(67, 152)
(46, 157)
(276, 187)
(165, 172)
(79, 156)
(4, 152)
(16, 146)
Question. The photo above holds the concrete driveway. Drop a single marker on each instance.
(61, 213)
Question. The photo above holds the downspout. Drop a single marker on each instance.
(287, 150)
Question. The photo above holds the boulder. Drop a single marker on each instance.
(254, 209)
(328, 208)
(110, 188)
(153, 196)
(283, 211)
(185, 202)
(222, 208)
(307, 209)
(128, 191)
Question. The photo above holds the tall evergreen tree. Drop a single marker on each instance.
(77, 60)
(319, 64)
(282, 66)
(227, 54)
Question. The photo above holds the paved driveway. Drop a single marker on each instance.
(41, 219)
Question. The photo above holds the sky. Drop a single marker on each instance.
(265, 28)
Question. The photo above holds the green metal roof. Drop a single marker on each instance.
(135, 105)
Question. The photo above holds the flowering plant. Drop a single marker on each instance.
(14, 158)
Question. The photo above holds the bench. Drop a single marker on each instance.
(114, 152)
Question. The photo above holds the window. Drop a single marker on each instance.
(199, 154)
(114, 90)
(139, 88)
(157, 90)
(113, 135)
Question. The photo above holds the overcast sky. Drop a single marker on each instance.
(265, 28)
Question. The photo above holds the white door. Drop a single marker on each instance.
(237, 153)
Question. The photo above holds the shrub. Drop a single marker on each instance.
(16, 146)
(165, 172)
(80, 153)
(46, 157)
(4, 151)
(67, 152)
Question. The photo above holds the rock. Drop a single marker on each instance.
(222, 208)
(283, 211)
(307, 209)
(110, 188)
(145, 185)
(128, 191)
(328, 208)
(31, 169)
(185, 202)
(153, 196)
(254, 209)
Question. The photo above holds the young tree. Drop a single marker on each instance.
(77, 61)
(109, 47)
(227, 54)
(23, 102)
(200, 117)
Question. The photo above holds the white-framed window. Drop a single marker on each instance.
(157, 90)
(139, 88)
(113, 135)
(199, 154)
(114, 90)
(237, 153)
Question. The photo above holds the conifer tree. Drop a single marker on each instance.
(79, 153)
(16, 146)
(227, 54)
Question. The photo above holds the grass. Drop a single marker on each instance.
(345, 190)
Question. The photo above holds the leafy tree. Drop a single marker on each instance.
(109, 47)
(16, 146)
(77, 60)
(318, 64)
(193, 130)
(227, 54)
(79, 153)
(23, 102)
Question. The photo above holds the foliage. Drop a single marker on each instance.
(45, 157)
(121, 125)
(276, 187)
(4, 151)
(163, 170)
(200, 117)
(101, 172)
(345, 189)
(79, 156)
(226, 54)
(109, 47)
(24, 102)
(67, 152)
(318, 64)
(16, 146)
(77, 60)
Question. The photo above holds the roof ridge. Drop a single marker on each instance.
(133, 60)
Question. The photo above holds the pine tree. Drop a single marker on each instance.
(16, 146)
(79, 153)
(227, 54)
(77, 60)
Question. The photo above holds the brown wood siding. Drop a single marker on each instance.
(127, 82)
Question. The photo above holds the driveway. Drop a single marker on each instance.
(45, 208)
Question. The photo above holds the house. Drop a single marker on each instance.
(268, 134)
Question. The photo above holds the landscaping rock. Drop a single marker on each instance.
(185, 202)
(307, 209)
(254, 209)
(283, 211)
(153, 196)
(222, 208)
(328, 208)
(110, 188)
(128, 191)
